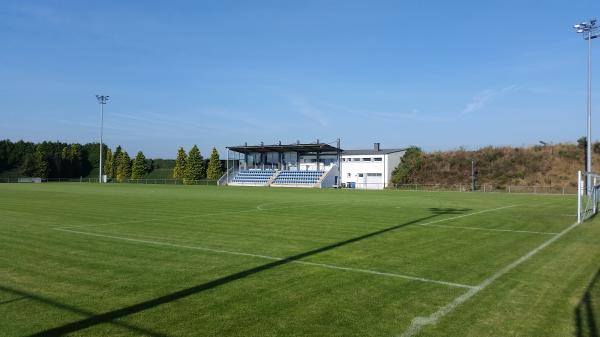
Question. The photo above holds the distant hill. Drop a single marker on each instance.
(554, 165)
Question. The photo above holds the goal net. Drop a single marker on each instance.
(588, 195)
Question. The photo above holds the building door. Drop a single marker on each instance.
(361, 180)
(374, 180)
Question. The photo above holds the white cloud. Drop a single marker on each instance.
(309, 111)
(480, 100)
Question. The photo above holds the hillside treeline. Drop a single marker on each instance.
(548, 165)
(73, 160)
(48, 159)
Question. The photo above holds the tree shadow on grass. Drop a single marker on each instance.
(24, 295)
(110, 316)
(448, 211)
(586, 310)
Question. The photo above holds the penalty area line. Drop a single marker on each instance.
(272, 258)
(489, 229)
(418, 323)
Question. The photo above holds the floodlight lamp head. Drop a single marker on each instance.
(580, 31)
(577, 26)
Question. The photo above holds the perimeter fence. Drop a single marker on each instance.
(533, 189)
(95, 180)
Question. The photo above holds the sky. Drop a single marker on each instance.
(435, 74)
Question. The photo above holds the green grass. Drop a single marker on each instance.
(130, 260)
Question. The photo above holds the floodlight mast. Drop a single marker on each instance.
(101, 100)
(589, 31)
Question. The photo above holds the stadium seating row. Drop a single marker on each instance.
(283, 178)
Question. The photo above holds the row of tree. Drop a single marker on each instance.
(119, 165)
(64, 160)
(48, 159)
(191, 166)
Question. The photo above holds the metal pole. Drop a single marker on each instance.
(589, 114)
(101, 100)
(101, 131)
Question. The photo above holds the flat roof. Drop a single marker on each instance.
(370, 152)
(314, 147)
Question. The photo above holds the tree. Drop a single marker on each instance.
(582, 142)
(115, 161)
(123, 166)
(139, 167)
(36, 165)
(409, 165)
(179, 171)
(108, 163)
(214, 171)
(195, 166)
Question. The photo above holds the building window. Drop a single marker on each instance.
(355, 159)
(349, 175)
(360, 175)
(373, 174)
(377, 159)
(366, 159)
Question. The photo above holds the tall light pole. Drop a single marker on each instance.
(101, 100)
(589, 32)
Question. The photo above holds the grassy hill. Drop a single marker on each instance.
(550, 165)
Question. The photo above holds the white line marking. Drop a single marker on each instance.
(419, 322)
(469, 214)
(258, 208)
(273, 258)
(451, 284)
(489, 229)
(156, 219)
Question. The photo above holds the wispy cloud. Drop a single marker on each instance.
(480, 100)
(39, 13)
(308, 110)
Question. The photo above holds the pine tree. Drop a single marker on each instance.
(115, 161)
(180, 163)
(108, 163)
(123, 167)
(214, 171)
(194, 166)
(139, 168)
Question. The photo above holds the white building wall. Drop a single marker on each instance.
(369, 171)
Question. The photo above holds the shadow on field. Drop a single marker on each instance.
(138, 307)
(449, 211)
(23, 295)
(585, 315)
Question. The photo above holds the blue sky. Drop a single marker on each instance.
(437, 74)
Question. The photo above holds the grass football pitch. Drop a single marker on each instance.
(150, 260)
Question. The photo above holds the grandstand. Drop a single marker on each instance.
(291, 165)
(317, 165)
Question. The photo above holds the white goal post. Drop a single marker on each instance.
(588, 195)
